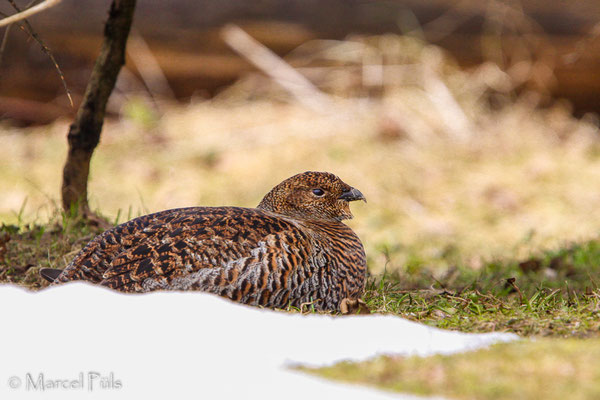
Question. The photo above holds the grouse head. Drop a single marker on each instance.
(312, 195)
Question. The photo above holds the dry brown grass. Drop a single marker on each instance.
(447, 176)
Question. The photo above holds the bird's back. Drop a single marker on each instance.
(248, 255)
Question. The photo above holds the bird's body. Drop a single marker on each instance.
(275, 255)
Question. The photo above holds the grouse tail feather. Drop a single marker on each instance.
(50, 274)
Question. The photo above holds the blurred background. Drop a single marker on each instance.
(470, 126)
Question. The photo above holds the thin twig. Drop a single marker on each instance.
(7, 31)
(26, 26)
(511, 282)
(21, 15)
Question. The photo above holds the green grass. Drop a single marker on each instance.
(26, 248)
(553, 294)
(543, 369)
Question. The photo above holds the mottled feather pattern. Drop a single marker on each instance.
(284, 252)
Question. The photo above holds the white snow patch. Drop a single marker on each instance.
(192, 345)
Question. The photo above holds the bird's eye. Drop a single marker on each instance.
(318, 192)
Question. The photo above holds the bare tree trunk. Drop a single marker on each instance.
(84, 133)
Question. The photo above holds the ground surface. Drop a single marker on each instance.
(553, 295)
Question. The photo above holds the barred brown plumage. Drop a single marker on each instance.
(292, 249)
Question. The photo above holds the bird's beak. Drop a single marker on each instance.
(352, 195)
